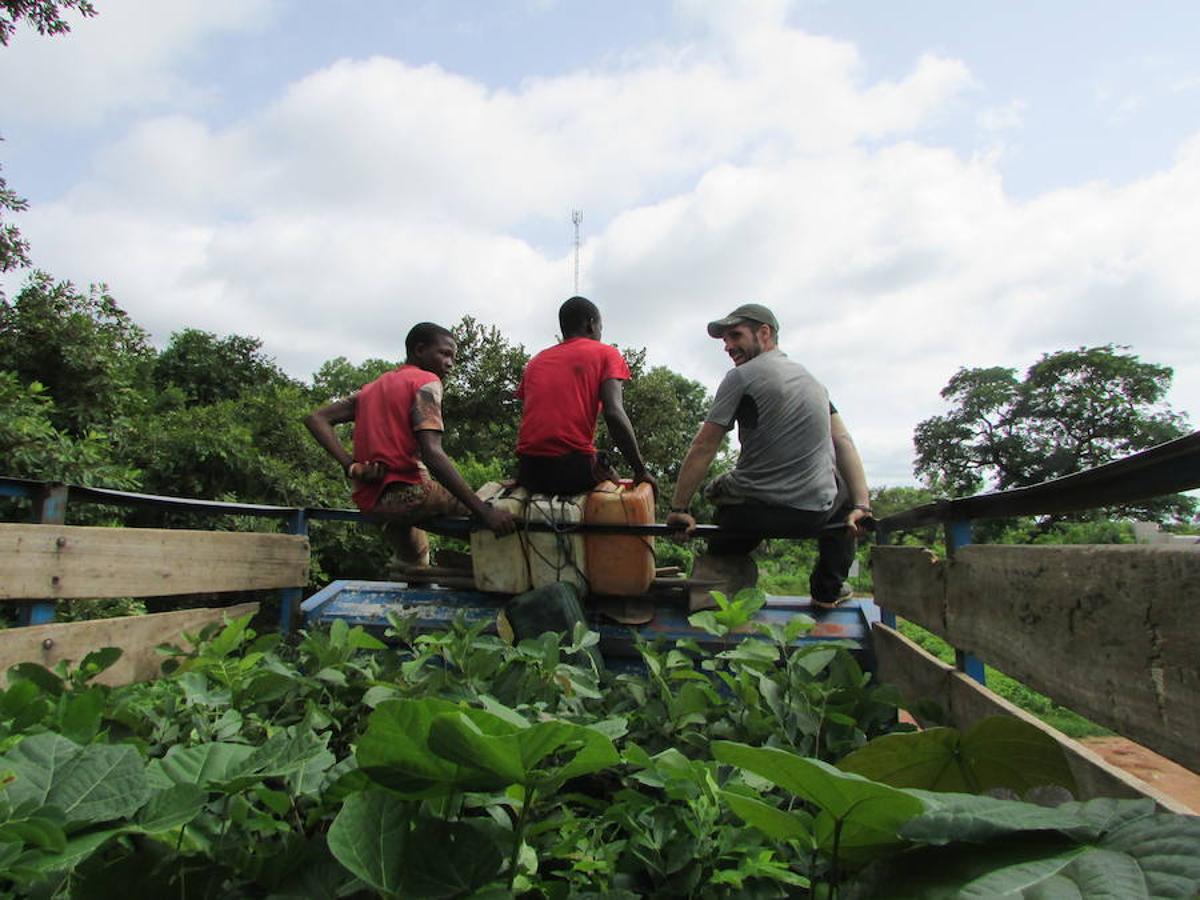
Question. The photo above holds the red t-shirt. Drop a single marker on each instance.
(389, 412)
(560, 394)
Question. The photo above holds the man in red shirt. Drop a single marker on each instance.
(562, 392)
(398, 443)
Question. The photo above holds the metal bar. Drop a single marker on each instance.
(1165, 469)
(460, 527)
(958, 534)
(290, 598)
(49, 508)
(883, 534)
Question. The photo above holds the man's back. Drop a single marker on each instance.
(783, 417)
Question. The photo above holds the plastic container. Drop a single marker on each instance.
(500, 565)
(555, 607)
(619, 565)
(557, 556)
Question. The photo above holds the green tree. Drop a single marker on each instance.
(44, 15)
(338, 377)
(481, 407)
(1073, 410)
(206, 369)
(90, 356)
(14, 249)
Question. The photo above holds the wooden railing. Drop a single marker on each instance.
(1109, 631)
(48, 561)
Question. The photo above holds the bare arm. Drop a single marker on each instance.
(441, 467)
(695, 466)
(320, 423)
(850, 467)
(621, 429)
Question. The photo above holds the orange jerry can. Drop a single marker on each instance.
(618, 564)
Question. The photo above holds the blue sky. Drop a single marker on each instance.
(913, 187)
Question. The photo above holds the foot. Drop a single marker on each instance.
(846, 593)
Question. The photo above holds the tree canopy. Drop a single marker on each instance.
(1073, 410)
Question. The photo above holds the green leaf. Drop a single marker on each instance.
(39, 827)
(77, 850)
(203, 765)
(771, 821)
(448, 859)
(394, 751)
(96, 662)
(81, 714)
(862, 817)
(89, 784)
(368, 837)
(996, 752)
(47, 681)
(230, 638)
(169, 809)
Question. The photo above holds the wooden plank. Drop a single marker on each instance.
(1109, 631)
(137, 636)
(919, 675)
(69, 562)
(910, 581)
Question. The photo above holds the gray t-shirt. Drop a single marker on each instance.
(782, 414)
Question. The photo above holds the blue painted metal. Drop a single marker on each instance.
(49, 508)
(886, 616)
(433, 608)
(297, 523)
(958, 535)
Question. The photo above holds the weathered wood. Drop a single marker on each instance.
(1108, 631)
(137, 636)
(70, 562)
(921, 676)
(910, 581)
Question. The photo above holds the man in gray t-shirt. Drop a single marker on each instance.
(798, 472)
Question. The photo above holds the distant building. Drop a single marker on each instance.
(1152, 533)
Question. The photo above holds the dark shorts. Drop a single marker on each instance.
(571, 473)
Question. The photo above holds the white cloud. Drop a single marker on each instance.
(125, 58)
(755, 163)
(1002, 118)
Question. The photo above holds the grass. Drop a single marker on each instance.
(1065, 720)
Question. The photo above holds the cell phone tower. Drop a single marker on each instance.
(577, 220)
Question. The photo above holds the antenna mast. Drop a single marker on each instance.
(576, 220)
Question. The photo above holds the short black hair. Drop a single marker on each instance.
(424, 333)
(574, 314)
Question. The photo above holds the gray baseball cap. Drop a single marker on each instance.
(752, 312)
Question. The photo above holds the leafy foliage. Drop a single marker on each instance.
(455, 765)
(1073, 410)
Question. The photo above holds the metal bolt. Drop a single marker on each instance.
(54, 580)
(47, 643)
(60, 543)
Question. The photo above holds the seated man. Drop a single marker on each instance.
(798, 472)
(398, 443)
(562, 390)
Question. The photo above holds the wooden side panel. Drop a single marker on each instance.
(1107, 631)
(137, 636)
(69, 562)
(910, 581)
(918, 675)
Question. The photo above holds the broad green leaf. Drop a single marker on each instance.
(96, 662)
(771, 821)
(81, 714)
(171, 808)
(230, 637)
(203, 764)
(455, 737)
(47, 681)
(870, 814)
(368, 838)
(975, 819)
(996, 752)
(35, 826)
(1167, 849)
(448, 859)
(361, 639)
(394, 751)
(89, 784)
(77, 849)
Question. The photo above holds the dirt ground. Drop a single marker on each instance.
(1169, 777)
